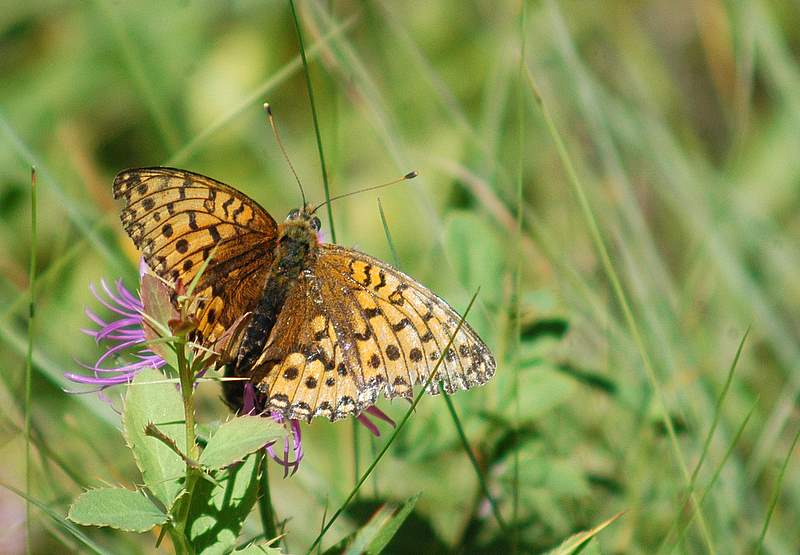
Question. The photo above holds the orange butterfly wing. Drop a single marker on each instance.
(354, 328)
(176, 218)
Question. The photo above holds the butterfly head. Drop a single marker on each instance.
(305, 216)
(302, 224)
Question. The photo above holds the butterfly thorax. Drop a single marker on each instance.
(295, 252)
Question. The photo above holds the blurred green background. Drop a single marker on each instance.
(681, 121)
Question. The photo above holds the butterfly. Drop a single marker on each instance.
(326, 329)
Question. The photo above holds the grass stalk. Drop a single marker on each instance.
(29, 363)
(478, 472)
(707, 443)
(776, 493)
(717, 472)
(518, 274)
(192, 449)
(317, 133)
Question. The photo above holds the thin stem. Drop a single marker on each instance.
(187, 393)
(518, 281)
(179, 541)
(776, 493)
(265, 510)
(356, 451)
(316, 121)
(707, 443)
(395, 258)
(192, 449)
(717, 472)
(29, 365)
(474, 461)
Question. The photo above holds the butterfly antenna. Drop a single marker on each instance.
(268, 109)
(406, 177)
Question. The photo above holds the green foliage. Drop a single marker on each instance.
(220, 507)
(118, 508)
(237, 438)
(214, 505)
(153, 399)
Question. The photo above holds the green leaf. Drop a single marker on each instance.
(239, 437)
(376, 534)
(118, 508)
(160, 403)
(577, 542)
(219, 510)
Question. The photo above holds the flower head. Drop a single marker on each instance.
(123, 335)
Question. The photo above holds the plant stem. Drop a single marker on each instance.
(192, 449)
(29, 366)
(187, 392)
(266, 511)
(325, 184)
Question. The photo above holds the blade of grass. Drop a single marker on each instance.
(475, 465)
(709, 436)
(776, 493)
(395, 258)
(717, 472)
(356, 450)
(29, 364)
(425, 70)
(518, 273)
(395, 432)
(316, 121)
(322, 524)
(619, 292)
(636, 230)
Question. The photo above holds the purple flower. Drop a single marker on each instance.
(125, 334)
(371, 426)
(250, 405)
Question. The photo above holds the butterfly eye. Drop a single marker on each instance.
(315, 223)
(293, 214)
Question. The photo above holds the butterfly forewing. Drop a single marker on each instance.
(354, 328)
(178, 218)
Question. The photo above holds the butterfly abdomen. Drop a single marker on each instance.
(295, 250)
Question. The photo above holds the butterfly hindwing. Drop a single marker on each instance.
(353, 328)
(178, 218)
